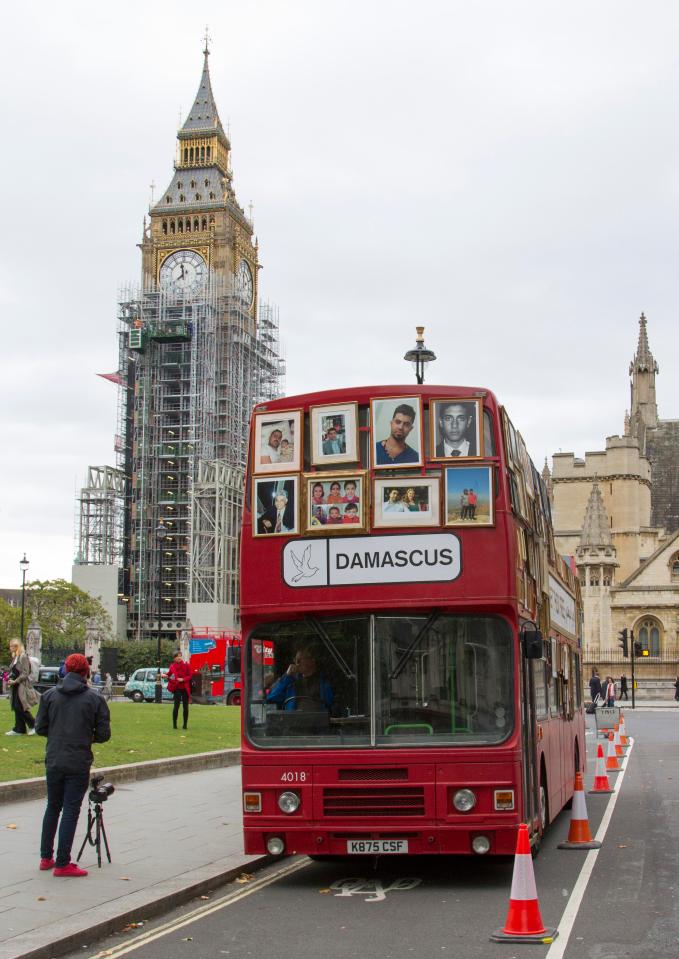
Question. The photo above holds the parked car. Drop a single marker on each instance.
(141, 686)
(48, 676)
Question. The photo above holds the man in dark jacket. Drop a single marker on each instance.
(72, 716)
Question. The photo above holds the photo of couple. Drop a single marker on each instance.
(334, 501)
(468, 496)
(407, 502)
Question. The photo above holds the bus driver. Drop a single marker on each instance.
(302, 686)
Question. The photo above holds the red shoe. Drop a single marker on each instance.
(46, 864)
(70, 870)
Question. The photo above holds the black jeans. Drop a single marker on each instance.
(65, 793)
(22, 717)
(180, 696)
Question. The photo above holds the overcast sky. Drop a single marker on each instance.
(505, 173)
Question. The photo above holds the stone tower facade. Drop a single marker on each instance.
(597, 563)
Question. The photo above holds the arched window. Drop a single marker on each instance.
(196, 225)
(674, 568)
(181, 197)
(202, 154)
(180, 226)
(649, 634)
(203, 225)
(168, 199)
(206, 182)
(186, 155)
(193, 184)
(180, 185)
(188, 224)
(198, 196)
(191, 155)
(208, 153)
(165, 227)
(212, 196)
(171, 226)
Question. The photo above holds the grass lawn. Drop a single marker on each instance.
(139, 731)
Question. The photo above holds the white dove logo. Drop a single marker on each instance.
(303, 566)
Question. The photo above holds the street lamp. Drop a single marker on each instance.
(420, 356)
(161, 533)
(24, 569)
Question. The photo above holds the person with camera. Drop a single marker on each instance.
(72, 716)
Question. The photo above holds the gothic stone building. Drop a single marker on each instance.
(617, 512)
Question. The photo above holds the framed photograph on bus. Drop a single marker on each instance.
(407, 501)
(278, 442)
(456, 428)
(396, 438)
(275, 506)
(334, 434)
(469, 496)
(334, 502)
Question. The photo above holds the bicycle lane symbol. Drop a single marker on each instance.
(372, 890)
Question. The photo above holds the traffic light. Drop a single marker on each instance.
(622, 642)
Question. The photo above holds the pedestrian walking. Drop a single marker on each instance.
(108, 687)
(676, 689)
(22, 694)
(179, 684)
(72, 716)
(595, 686)
(623, 687)
(610, 691)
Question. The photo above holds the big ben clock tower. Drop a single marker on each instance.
(197, 351)
(198, 225)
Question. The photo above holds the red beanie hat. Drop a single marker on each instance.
(76, 663)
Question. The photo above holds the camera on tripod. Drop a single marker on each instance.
(99, 790)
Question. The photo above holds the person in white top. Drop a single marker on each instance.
(271, 453)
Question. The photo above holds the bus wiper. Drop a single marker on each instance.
(332, 649)
(401, 664)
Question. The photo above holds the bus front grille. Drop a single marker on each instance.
(376, 801)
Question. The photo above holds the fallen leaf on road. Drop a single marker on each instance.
(188, 939)
(12, 825)
(204, 897)
(622, 846)
(41, 899)
(244, 877)
(324, 892)
(124, 878)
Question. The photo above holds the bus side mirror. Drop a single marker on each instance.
(532, 643)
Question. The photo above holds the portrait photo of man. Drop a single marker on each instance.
(456, 427)
(276, 507)
(400, 421)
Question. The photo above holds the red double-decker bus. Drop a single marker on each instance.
(425, 693)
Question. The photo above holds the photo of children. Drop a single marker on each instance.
(407, 502)
(334, 501)
(469, 500)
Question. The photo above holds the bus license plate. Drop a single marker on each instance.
(363, 847)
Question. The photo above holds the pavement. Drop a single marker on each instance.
(171, 839)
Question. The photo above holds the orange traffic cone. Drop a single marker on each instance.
(524, 922)
(616, 741)
(579, 835)
(601, 783)
(612, 764)
(623, 732)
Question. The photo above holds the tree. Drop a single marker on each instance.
(62, 610)
(10, 626)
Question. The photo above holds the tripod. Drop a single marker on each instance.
(95, 821)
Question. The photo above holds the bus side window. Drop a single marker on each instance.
(488, 436)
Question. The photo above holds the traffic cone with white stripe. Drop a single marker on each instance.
(601, 783)
(616, 741)
(623, 732)
(579, 835)
(612, 764)
(524, 922)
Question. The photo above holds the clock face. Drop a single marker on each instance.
(184, 271)
(244, 282)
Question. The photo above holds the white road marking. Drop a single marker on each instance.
(202, 911)
(570, 913)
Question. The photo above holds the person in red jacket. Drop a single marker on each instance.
(179, 684)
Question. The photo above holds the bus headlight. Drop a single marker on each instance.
(464, 800)
(275, 845)
(481, 845)
(288, 802)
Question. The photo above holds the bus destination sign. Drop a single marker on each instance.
(361, 560)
